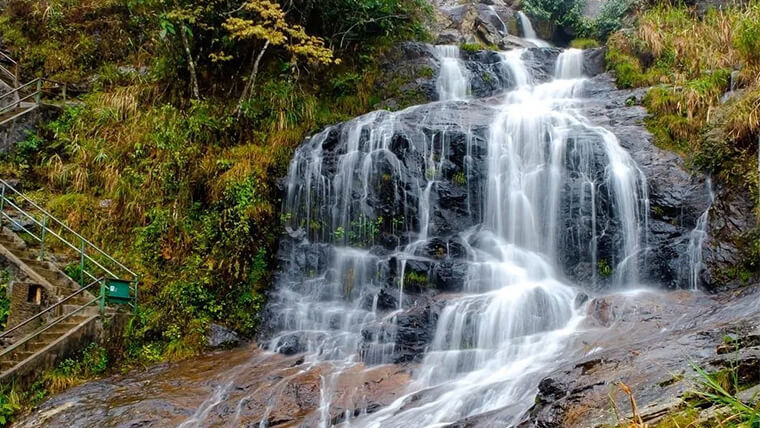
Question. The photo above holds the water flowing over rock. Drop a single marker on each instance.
(461, 220)
(468, 261)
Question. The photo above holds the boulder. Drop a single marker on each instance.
(219, 336)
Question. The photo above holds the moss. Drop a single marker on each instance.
(627, 69)
(415, 279)
(471, 47)
(688, 417)
(426, 72)
(460, 178)
(604, 268)
(584, 44)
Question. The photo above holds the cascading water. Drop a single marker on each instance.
(504, 30)
(528, 32)
(696, 239)
(453, 83)
(569, 64)
(383, 205)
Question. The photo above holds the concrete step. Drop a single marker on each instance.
(22, 355)
(7, 364)
(35, 345)
(11, 243)
(34, 263)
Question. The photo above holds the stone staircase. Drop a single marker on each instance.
(16, 99)
(52, 315)
(56, 285)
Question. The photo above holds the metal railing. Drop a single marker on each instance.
(30, 93)
(11, 330)
(43, 228)
(13, 75)
(26, 339)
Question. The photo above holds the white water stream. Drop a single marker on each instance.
(528, 32)
(697, 238)
(509, 325)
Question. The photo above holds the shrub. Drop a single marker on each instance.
(611, 17)
(584, 44)
(471, 47)
(747, 35)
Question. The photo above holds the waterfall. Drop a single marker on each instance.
(528, 32)
(452, 83)
(380, 206)
(696, 239)
(504, 29)
(569, 64)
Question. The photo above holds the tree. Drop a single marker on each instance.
(265, 22)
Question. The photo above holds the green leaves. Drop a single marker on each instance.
(166, 26)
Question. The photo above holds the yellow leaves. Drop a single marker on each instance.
(246, 29)
(268, 23)
(220, 57)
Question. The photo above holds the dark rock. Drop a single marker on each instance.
(221, 337)
(550, 390)
(449, 276)
(656, 338)
(290, 345)
(581, 299)
(593, 61)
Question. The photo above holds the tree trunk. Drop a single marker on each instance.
(190, 64)
(251, 79)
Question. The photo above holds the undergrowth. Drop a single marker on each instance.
(91, 362)
(184, 188)
(692, 63)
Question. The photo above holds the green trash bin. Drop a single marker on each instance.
(118, 291)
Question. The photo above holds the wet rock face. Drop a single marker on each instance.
(676, 198)
(244, 387)
(650, 344)
(433, 160)
(730, 217)
(222, 337)
(488, 22)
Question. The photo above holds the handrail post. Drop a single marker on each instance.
(2, 205)
(42, 237)
(64, 95)
(81, 262)
(102, 302)
(39, 92)
(135, 284)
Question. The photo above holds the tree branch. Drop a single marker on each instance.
(251, 80)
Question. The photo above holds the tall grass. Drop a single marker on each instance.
(722, 393)
(691, 62)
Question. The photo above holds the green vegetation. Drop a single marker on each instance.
(460, 178)
(188, 112)
(568, 16)
(720, 389)
(471, 47)
(603, 268)
(689, 61)
(5, 299)
(415, 279)
(584, 44)
(91, 362)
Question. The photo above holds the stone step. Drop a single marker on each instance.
(7, 364)
(35, 263)
(54, 277)
(50, 336)
(22, 355)
(35, 345)
(11, 243)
